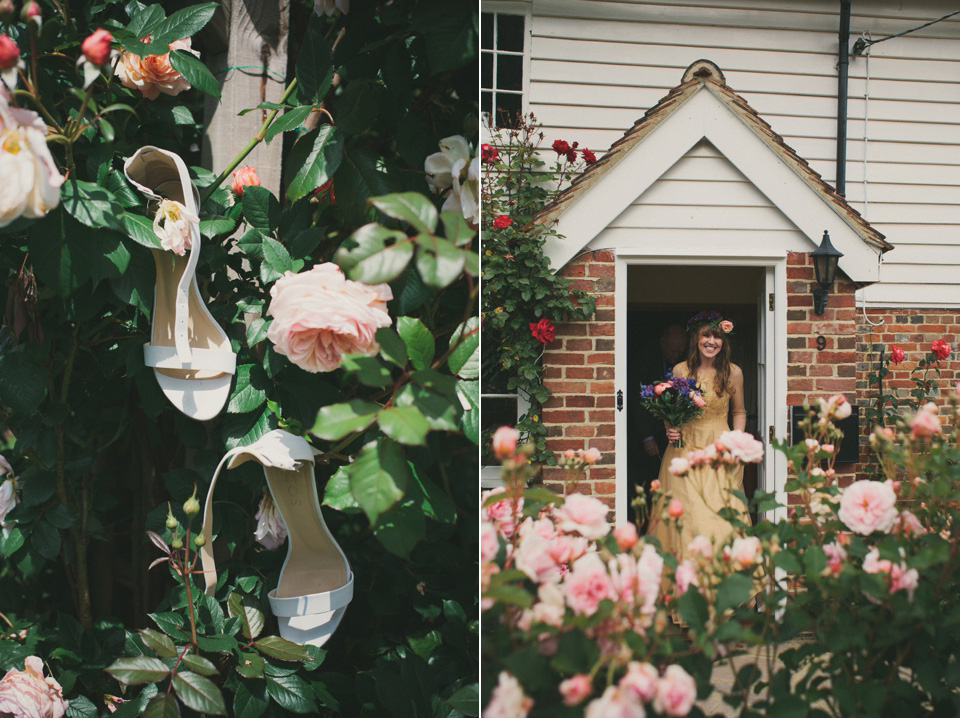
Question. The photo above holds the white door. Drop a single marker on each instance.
(766, 369)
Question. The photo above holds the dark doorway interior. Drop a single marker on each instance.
(660, 296)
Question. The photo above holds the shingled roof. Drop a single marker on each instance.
(705, 74)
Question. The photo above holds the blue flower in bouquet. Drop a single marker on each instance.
(676, 400)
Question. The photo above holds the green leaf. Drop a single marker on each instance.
(412, 207)
(438, 261)
(419, 341)
(401, 528)
(693, 608)
(733, 591)
(363, 174)
(248, 608)
(313, 160)
(217, 644)
(305, 242)
(92, 205)
(249, 393)
(337, 493)
(357, 106)
(212, 226)
(282, 649)
(184, 23)
(335, 421)
(290, 120)
(392, 347)
(171, 623)
(433, 501)
(196, 73)
(145, 22)
(439, 411)
(404, 424)
(250, 665)
(375, 254)
(12, 543)
(378, 477)
(464, 360)
(314, 67)
(260, 208)
(370, 370)
(160, 706)
(199, 664)
(292, 692)
(23, 383)
(449, 35)
(456, 229)
(199, 693)
(276, 256)
(81, 707)
(45, 540)
(161, 644)
(470, 390)
(250, 700)
(139, 669)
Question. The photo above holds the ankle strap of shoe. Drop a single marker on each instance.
(207, 562)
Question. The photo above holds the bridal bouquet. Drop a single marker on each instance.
(675, 399)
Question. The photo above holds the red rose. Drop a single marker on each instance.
(941, 349)
(489, 154)
(9, 52)
(96, 48)
(589, 157)
(543, 331)
(897, 355)
(561, 147)
(571, 156)
(502, 222)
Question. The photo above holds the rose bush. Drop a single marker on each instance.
(376, 287)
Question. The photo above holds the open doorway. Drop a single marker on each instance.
(659, 296)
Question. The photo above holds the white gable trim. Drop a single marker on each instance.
(704, 116)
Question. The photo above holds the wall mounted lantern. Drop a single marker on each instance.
(825, 259)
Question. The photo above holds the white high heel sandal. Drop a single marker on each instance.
(316, 582)
(189, 352)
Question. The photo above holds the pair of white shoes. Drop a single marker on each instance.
(194, 364)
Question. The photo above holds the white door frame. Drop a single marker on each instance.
(775, 396)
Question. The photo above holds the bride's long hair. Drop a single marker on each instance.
(721, 362)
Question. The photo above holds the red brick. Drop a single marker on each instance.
(836, 357)
(580, 345)
(601, 270)
(605, 372)
(800, 300)
(604, 255)
(602, 387)
(554, 402)
(600, 358)
(579, 372)
(581, 401)
(800, 273)
(605, 445)
(836, 385)
(559, 445)
(565, 358)
(586, 285)
(603, 329)
(795, 357)
(561, 416)
(572, 330)
(798, 287)
(552, 372)
(605, 402)
(569, 387)
(606, 429)
(574, 270)
(606, 300)
(800, 385)
(585, 430)
(597, 473)
(821, 370)
(606, 487)
(799, 328)
(604, 315)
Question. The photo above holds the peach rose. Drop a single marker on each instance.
(626, 535)
(244, 177)
(172, 225)
(320, 315)
(662, 387)
(868, 506)
(743, 551)
(153, 74)
(675, 509)
(591, 455)
(698, 399)
(726, 326)
(926, 424)
(505, 442)
(27, 694)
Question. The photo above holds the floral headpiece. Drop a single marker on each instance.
(712, 319)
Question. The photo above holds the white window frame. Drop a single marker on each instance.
(490, 474)
(519, 9)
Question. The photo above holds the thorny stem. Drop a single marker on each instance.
(257, 139)
(185, 574)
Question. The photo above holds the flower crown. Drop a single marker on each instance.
(712, 319)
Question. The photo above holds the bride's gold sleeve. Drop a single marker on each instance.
(736, 398)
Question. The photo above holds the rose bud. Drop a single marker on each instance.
(675, 509)
(244, 177)
(171, 519)
(7, 10)
(31, 11)
(96, 48)
(192, 506)
(9, 53)
(199, 540)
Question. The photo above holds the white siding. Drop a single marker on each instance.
(597, 66)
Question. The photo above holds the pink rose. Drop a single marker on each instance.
(641, 679)
(615, 703)
(587, 584)
(835, 556)
(96, 48)
(742, 446)
(575, 690)
(909, 525)
(676, 692)
(726, 326)
(508, 699)
(533, 559)
(897, 355)
(701, 546)
(489, 543)
(675, 509)
(686, 576)
(27, 694)
(828, 448)
(505, 442)
(655, 485)
(679, 466)
(591, 456)
(662, 387)
(626, 535)
(153, 74)
(836, 407)
(8, 495)
(926, 424)
(585, 515)
(320, 315)
(868, 506)
(697, 458)
(502, 514)
(551, 608)
(271, 531)
(244, 177)
(9, 53)
(744, 551)
(698, 399)
(173, 224)
(903, 579)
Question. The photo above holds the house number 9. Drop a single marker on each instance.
(821, 343)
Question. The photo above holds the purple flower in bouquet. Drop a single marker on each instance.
(676, 400)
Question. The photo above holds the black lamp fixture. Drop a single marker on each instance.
(825, 259)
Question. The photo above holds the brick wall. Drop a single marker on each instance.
(579, 370)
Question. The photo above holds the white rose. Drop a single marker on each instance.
(31, 180)
(172, 226)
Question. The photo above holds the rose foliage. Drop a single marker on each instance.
(857, 589)
(99, 469)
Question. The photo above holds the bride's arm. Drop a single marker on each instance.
(739, 410)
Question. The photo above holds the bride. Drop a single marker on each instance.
(705, 491)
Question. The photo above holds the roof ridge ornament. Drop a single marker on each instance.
(704, 70)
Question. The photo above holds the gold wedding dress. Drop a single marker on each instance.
(704, 491)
